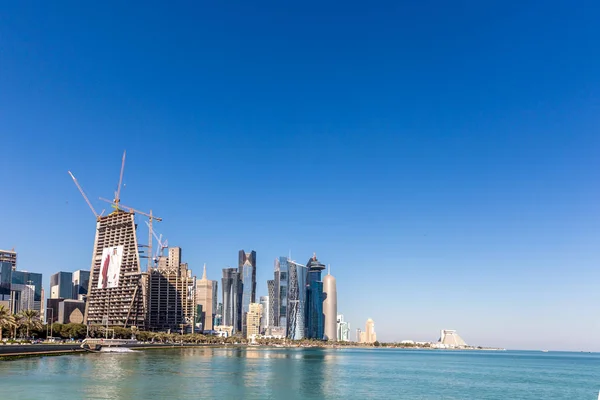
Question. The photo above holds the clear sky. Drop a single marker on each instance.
(442, 157)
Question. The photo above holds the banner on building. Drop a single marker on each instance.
(110, 268)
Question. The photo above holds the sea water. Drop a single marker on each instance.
(315, 373)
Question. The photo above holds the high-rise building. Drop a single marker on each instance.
(247, 271)
(52, 309)
(5, 282)
(219, 315)
(264, 317)
(61, 285)
(253, 319)
(369, 335)
(315, 324)
(232, 298)
(171, 294)
(330, 307)
(296, 300)
(215, 300)
(26, 291)
(280, 299)
(117, 294)
(9, 256)
(272, 298)
(205, 298)
(343, 329)
(81, 283)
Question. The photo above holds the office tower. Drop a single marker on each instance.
(71, 311)
(253, 319)
(61, 285)
(117, 294)
(247, 271)
(215, 301)
(171, 294)
(271, 311)
(81, 283)
(264, 317)
(205, 298)
(5, 282)
(232, 298)
(280, 298)
(219, 315)
(343, 329)
(330, 306)
(296, 300)
(369, 335)
(26, 291)
(9, 256)
(315, 328)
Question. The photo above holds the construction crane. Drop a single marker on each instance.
(150, 216)
(161, 245)
(84, 196)
(117, 199)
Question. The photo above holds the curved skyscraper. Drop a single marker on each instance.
(315, 328)
(330, 307)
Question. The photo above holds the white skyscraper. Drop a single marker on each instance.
(330, 306)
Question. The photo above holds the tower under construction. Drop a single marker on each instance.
(117, 291)
(171, 297)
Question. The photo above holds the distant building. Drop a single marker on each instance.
(330, 307)
(219, 315)
(81, 283)
(52, 310)
(26, 291)
(369, 335)
(224, 330)
(264, 318)
(71, 311)
(61, 285)
(9, 256)
(343, 329)
(205, 298)
(5, 282)
(232, 298)
(171, 296)
(450, 338)
(280, 299)
(253, 319)
(247, 271)
(272, 298)
(315, 324)
(215, 301)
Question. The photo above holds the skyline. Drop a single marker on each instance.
(445, 155)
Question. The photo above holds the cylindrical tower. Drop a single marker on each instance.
(330, 307)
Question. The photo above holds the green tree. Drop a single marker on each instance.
(30, 319)
(376, 344)
(7, 321)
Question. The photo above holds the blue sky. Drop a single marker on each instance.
(443, 158)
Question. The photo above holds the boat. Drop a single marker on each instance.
(96, 345)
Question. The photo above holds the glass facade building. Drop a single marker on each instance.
(61, 285)
(315, 320)
(247, 273)
(296, 300)
(81, 283)
(232, 298)
(26, 291)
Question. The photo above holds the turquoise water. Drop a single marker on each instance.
(263, 373)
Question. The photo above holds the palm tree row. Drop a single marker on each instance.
(28, 319)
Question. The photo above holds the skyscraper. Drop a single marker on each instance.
(117, 295)
(343, 329)
(61, 285)
(232, 298)
(330, 307)
(315, 328)
(272, 299)
(5, 282)
(171, 296)
(9, 256)
(205, 298)
(264, 318)
(280, 294)
(369, 335)
(247, 271)
(296, 300)
(81, 283)
(215, 301)
(26, 291)
(253, 319)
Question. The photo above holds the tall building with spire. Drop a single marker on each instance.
(205, 298)
(315, 326)
(330, 306)
(247, 272)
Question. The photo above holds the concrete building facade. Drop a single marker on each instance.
(253, 319)
(9, 256)
(330, 307)
(205, 298)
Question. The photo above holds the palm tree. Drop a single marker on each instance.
(6, 320)
(30, 319)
